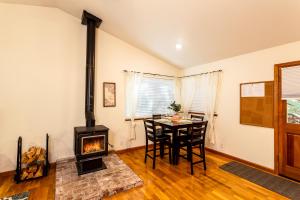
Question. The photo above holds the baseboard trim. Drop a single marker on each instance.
(8, 173)
(13, 172)
(241, 160)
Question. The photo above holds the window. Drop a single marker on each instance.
(153, 96)
(290, 82)
(293, 111)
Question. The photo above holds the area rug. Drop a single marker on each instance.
(116, 178)
(276, 184)
(22, 196)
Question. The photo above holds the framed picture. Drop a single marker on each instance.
(109, 94)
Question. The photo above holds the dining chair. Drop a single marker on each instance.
(165, 131)
(158, 138)
(159, 116)
(196, 137)
(183, 132)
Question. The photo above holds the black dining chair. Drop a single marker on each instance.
(183, 132)
(165, 131)
(196, 137)
(158, 138)
(159, 116)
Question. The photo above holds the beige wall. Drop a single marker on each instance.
(113, 56)
(255, 144)
(42, 80)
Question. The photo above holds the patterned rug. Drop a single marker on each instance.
(116, 178)
(22, 196)
(276, 184)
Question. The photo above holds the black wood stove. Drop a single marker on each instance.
(90, 141)
(90, 144)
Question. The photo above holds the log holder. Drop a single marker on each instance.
(18, 174)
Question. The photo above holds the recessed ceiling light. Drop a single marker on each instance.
(178, 46)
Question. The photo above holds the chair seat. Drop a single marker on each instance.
(196, 141)
(185, 140)
(159, 137)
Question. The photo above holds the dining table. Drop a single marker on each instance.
(174, 127)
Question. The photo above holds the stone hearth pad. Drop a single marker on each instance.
(116, 178)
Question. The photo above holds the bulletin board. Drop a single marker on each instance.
(257, 103)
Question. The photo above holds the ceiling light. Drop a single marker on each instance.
(178, 46)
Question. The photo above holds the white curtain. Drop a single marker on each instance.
(201, 92)
(177, 83)
(213, 87)
(133, 81)
(188, 86)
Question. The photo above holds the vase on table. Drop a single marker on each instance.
(176, 117)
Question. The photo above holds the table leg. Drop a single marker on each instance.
(162, 149)
(175, 147)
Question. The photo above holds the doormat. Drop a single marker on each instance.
(277, 184)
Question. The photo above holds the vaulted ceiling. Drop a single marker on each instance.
(208, 30)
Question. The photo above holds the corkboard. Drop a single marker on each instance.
(258, 111)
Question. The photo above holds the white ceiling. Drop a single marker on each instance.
(208, 30)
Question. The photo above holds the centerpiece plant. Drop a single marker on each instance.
(176, 108)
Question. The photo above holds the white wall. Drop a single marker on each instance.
(255, 144)
(42, 80)
(113, 56)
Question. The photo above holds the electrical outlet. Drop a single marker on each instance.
(222, 146)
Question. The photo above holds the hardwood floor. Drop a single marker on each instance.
(165, 182)
(40, 189)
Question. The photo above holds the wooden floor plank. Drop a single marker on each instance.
(166, 182)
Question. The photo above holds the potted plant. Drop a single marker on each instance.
(176, 108)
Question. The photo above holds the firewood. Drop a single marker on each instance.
(24, 174)
(39, 172)
(31, 152)
(38, 151)
(31, 160)
(24, 158)
(41, 158)
(34, 155)
(30, 175)
(32, 169)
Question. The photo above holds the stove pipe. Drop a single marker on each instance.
(92, 23)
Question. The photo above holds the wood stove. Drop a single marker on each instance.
(90, 144)
(90, 141)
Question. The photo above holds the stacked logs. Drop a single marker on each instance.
(33, 163)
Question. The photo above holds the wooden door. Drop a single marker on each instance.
(287, 128)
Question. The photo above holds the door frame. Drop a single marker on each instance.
(277, 109)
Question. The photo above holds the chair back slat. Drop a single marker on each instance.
(197, 117)
(149, 126)
(150, 129)
(156, 116)
(198, 131)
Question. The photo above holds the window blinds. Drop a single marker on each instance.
(291, 82)
(154, 95)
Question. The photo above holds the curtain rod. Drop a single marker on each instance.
(175, 76)
(201, 74)
(151, 74)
